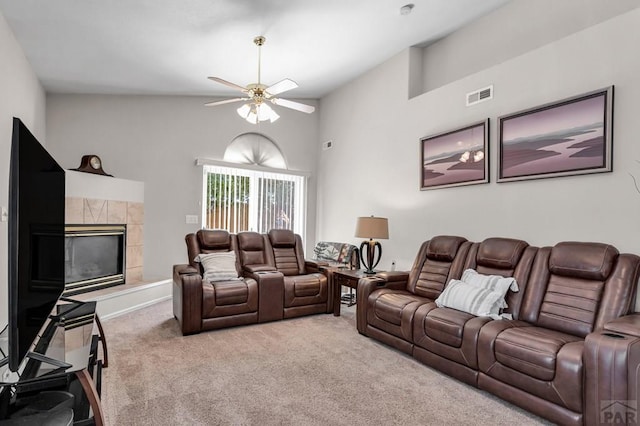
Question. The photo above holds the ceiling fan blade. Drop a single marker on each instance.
(226, 101)
(294, 105)
(228, 83)
(281, 86)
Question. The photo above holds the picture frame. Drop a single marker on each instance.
(573, 136)
(455, 158)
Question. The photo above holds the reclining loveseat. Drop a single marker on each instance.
(245, 279)
(565, 345)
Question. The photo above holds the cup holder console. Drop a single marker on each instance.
(613, 335)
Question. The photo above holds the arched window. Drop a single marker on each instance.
(255, 148)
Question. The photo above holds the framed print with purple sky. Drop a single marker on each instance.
(455, 158)
(570, 137)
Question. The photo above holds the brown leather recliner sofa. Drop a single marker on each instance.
(273, 281)
(570, 354)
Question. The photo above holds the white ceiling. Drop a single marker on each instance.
(171, 46)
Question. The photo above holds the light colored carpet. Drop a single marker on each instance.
(315, 370)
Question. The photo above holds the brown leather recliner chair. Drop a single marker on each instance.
(388, 302)
(446, 338)
(538, 361)
(199, 305)
(306, 289)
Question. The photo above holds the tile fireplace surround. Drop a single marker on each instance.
(95, 199)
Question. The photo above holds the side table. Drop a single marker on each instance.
(348, 278)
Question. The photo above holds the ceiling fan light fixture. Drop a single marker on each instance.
(265, 112)
(244, 110)
(253, 113)
(273, 116)
(257, 94)
(252, 117)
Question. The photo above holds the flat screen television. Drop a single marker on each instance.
(36, 240)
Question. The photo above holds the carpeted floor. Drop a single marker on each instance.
(314, 370)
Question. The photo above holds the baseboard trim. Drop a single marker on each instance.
(114, 302)
(136, 289)
(134, 308)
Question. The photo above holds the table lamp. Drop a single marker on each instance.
(371, 227)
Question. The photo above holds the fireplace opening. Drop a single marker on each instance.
(94, 257)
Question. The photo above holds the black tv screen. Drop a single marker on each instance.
(36, 240)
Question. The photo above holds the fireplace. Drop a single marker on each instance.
(94, 257)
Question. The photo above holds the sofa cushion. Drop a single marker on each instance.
(213, 239)
(302, 290)
(389, 307)
(306, 285)
(392, 311)
(531, 350)
(229, 298)
(286, 260)
(471, 299)
(590, 261)
(444, 247)
(282, 238)
(500, 253)
(218, 266)
(231, 292)
(251, 249)
(446, 326)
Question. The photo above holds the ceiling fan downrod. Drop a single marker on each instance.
(259, 41)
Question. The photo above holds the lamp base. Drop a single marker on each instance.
(373, 251)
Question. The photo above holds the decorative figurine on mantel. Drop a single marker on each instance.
(91, 164)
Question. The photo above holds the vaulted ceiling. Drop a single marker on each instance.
(170, 47)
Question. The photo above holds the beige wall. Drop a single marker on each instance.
(518, 27)
(155, 140)
(22, 96)
(376, 132)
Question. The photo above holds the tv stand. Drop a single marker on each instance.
(56, 363)
(67, 357)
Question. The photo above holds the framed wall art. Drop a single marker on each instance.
(570, 137)
(456, 158)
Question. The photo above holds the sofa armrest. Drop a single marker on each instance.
(184, 270)
(258, 268)
(187, 299)
(393, 276)
(629, 324)
(611, 360)
(270, 295)
(313, 266)
(368, 285)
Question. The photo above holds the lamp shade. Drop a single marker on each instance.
(372, 227)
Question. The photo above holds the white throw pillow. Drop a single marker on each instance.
(218, 266)
(491, 282)
(472, 299)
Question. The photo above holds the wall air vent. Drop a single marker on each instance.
(480, 95)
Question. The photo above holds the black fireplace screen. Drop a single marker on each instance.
(94, 257)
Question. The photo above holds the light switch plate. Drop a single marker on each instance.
(4, 215)
(192, 219)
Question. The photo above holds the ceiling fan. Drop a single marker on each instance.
(259, 95)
